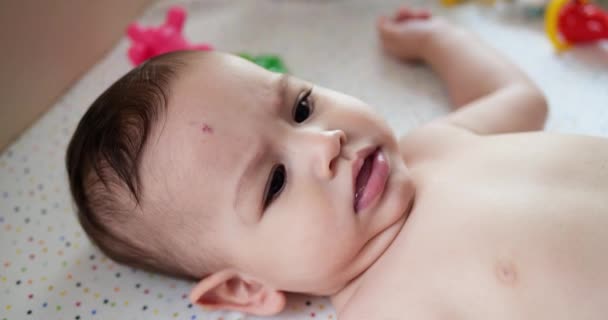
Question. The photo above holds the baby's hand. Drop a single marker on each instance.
(407, 33)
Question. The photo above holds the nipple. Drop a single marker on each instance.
(506, 273)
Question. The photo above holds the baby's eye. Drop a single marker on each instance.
(275, 184)
(303, 107)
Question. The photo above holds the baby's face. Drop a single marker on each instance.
(260, 170)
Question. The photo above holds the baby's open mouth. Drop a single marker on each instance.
(370, 172)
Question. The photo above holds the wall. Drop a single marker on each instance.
(46, 46)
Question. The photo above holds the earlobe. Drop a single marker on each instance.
(229, 290)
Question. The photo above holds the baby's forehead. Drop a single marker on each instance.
(221, 69)
(202, 137)
(230, 88)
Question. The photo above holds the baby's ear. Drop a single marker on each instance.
(229, 290)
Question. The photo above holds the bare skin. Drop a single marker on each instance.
(253, 179)
(508, 222)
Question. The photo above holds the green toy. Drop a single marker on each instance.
(267, 61)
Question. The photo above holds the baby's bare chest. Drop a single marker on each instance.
(502, 235)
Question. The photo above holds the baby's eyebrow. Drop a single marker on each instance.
(281, 91)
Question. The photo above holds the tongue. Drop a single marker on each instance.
(363, 176)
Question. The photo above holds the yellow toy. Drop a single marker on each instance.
(551, 24)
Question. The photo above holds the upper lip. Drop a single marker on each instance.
(358, 163)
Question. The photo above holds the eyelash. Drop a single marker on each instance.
(303, 98)
(271, 192)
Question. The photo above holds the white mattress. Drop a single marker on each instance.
(49, 270)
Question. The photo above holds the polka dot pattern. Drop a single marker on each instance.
(48, 268)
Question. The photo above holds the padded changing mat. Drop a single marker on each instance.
(48, 268)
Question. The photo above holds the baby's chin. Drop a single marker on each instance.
(392, 214)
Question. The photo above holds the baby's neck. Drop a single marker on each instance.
(342, 297)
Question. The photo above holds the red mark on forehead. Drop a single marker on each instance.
(206, 128)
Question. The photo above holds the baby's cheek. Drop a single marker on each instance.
(333, 250)
(308, 251)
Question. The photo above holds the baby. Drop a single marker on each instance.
(207, 167)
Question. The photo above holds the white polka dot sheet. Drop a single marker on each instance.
(48, 268)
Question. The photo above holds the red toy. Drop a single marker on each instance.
(153, 41)
(576, 21)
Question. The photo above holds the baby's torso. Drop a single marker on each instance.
(507, 227)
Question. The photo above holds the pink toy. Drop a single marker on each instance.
(153, 41)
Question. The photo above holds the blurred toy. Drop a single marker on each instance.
(153, 41)
(269, 62)
(571, 22)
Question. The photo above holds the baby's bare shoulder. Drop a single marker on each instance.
(433, 141)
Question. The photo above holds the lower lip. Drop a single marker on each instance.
(376, 182)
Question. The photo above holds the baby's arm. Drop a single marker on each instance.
(490, 94)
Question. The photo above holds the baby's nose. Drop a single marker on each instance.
(328, 147)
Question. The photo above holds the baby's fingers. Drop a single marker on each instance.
(386, 25)
(405, 13)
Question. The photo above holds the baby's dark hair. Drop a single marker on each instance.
(103, 163)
